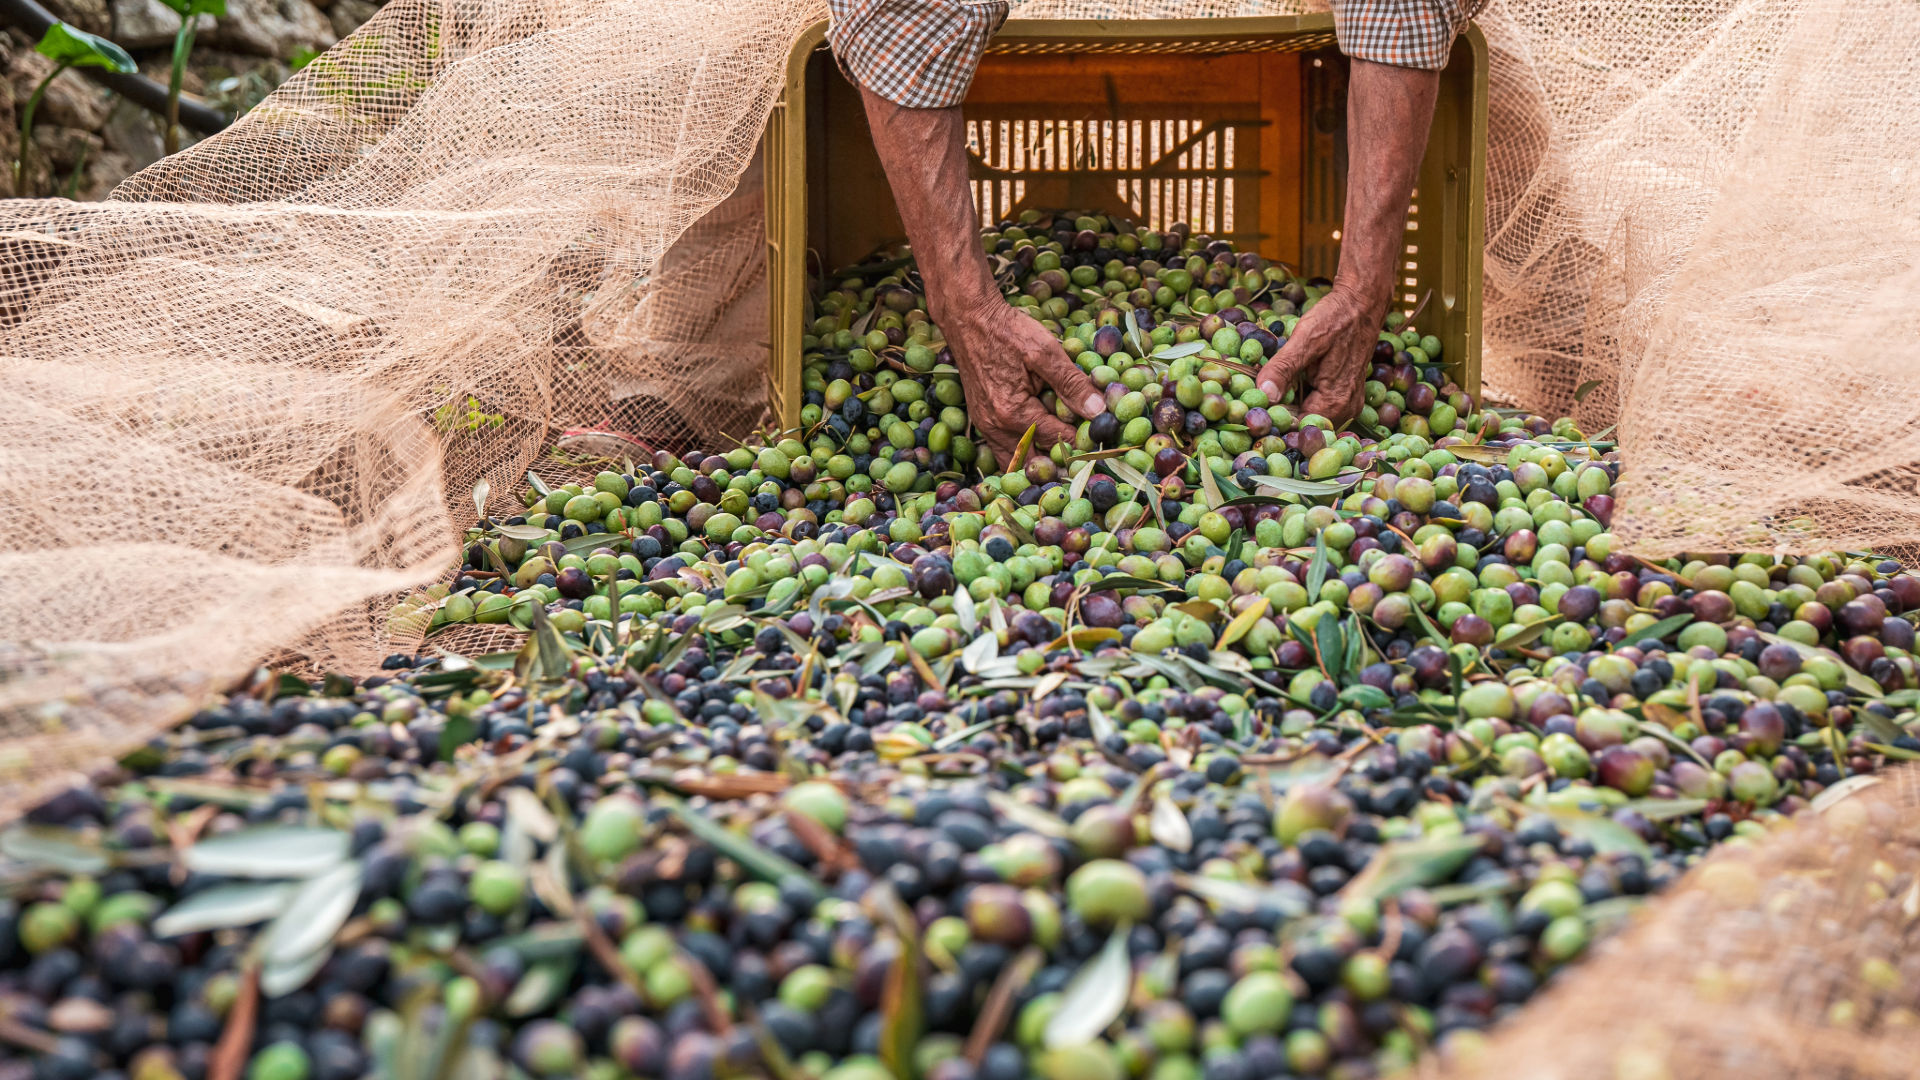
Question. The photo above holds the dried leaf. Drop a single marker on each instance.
(999, 1004)
(1083, 636)
(1240, 896)
(1531, 632)
(1169, 827)
(1242, 623)
(1051, 681)
(278, 851)
(539, 988)
(525, 809)
(1580, 392)
(902, 998)
(230, 1054)
(480, 491)
(1209, 486)
(1095, 997)
(1019, 459)
(1028, 816)
(1097, 720)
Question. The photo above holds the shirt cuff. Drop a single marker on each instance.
(919, 54)
(1403, 33)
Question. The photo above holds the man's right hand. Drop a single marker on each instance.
(1006, 361)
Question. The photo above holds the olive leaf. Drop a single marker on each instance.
(1128, 581)
(314, 915)
(1097, 720)
(480, 491)
(1428, 626)
(980, 652)
(1665, 809)
(532, 534)
(1138, 479)
(963, 610)
(1356, 641)
(902, 998)
(1531, 632)
(1169, 827)
(223, 907)
(1019, 459)
(1306, 488)
(276, 851)
(280, 978)
(1082, 476)
(60, 848)
(1134, 336)
(1412, 864)
(1175, 352)
(1365, 698)
(1666, 627)
(1330, 640)
(1235, 542)
(1580, 393)
(1858, 682)
(539, 486)
(553, 658)
(1883, 727)
(540, 987)
(1317, 569)
(757, 860)
(1607, 836)
(1095, 996)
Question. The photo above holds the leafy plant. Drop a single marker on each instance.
(189, 12)
(66, 47)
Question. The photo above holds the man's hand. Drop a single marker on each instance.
(1332, 351)
(1389, 110)
(1006, 359)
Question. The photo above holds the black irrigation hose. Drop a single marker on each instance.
(32, 19)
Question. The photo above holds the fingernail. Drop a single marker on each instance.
(1093, 406)
(1270, 390)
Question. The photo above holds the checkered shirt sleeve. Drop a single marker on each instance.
(919, 54)
(1403, 33)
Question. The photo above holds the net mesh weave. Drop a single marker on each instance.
(235, 414)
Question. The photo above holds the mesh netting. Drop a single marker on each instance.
(1792, 958)
(476, 222)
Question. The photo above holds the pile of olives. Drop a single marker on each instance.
(1220, 744)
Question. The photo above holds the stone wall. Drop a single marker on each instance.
(87, 139)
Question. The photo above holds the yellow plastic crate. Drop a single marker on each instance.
(1234, 125)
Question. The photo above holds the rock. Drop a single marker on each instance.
(347, 15)
(62, 146)
(145, 24)
(72, 101)
(272, 28)
(92, 16)
(133, 133)
(105, 174)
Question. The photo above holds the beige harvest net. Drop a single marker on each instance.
(245, 402)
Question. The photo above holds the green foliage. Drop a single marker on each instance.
(70, 47)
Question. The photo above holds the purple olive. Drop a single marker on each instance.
(1625, 769)
(1777, 662)
(1168, 417)
(1711, 605)
(1102, 610)
(1764, 727)
(1580, 603)
(1108, 340)
(1471, 630)
(1864, 615)
(573, 583)
(1104, 429)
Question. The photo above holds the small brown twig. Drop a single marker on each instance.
(708, 992)
(602, 948)
(999, 1004)
(229, 1055)
(828, 848)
